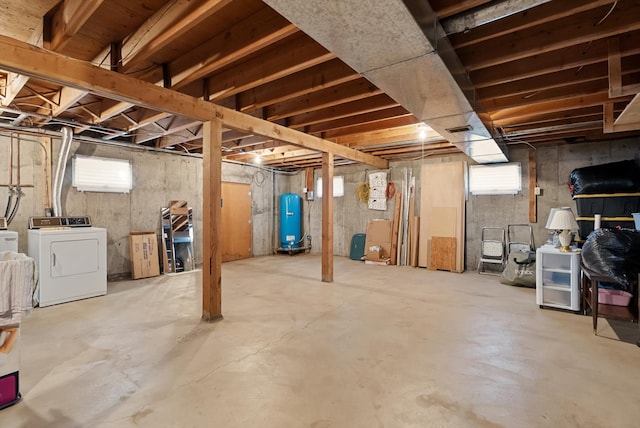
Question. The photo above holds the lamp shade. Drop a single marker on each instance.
(562, 219)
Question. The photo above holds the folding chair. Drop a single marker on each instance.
(492, 250)
(524, 242)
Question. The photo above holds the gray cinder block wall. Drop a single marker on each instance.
(160, 177)
(554, 164)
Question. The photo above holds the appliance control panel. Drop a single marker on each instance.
(59, 222)
(3, 223)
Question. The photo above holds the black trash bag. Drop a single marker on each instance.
(614, 253)
(520, 269)
(614, 177)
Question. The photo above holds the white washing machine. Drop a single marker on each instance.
(71, 256)
(8, 238)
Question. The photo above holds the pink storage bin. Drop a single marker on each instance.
(614, 297)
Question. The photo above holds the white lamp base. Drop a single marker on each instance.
(565, 241)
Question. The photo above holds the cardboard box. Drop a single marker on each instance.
(378, 239)
(144, 254)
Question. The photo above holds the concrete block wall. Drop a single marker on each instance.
(350, 214)
(158, 178)
(161, 177)
(554, 164)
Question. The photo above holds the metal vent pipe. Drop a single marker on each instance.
(61, 166)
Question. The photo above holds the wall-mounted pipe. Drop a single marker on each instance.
(61, 166)
(7, 211)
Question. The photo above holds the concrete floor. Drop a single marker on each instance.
(381, 346)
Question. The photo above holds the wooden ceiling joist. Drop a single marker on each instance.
(32, 61)
(65, 21)
(565, 34)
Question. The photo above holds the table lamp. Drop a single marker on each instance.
(562, 219)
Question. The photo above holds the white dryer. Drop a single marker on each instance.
(8, 238)
(71, 256)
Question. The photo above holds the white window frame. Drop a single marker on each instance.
(495, 179)
(338, 186)
(97, 174)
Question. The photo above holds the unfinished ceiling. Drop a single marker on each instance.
(518, 72)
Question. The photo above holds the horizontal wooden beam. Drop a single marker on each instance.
(253, 125)
(22, 58)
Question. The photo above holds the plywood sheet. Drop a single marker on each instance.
(444, 220)
(443, 253)
(442, 208)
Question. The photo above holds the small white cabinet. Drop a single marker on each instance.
(557, 278)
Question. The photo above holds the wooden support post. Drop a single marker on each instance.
(533, 180)
(211, 215)
(327, 217)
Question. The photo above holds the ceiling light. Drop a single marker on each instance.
(257, 159)
(422, 131)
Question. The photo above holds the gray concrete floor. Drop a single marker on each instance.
(381, 346)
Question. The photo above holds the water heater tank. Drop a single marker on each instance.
(290, 220)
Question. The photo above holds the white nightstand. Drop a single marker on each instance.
(557, 278)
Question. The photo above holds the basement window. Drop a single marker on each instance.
(498, 179)
(338, 186)
(96, 174)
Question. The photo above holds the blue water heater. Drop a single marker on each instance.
(290, 220)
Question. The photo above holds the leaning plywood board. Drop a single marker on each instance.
(443, 253)
(442, 209)
(414, 241)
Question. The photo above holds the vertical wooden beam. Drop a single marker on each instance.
(327, 217)
(608, 118)
(309, 181)
(115, 56)
(211, 214)
(615, 67)
(533, 180)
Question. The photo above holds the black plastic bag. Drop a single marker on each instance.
(614, 177)
(520, 269)
(614, 253)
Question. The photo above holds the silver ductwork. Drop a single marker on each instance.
(403, 51)
(61, 166)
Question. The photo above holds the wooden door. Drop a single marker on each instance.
(236, 221)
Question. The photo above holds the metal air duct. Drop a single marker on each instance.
(387, 43)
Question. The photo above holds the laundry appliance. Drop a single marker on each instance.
(8, 238)
(71, 256)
